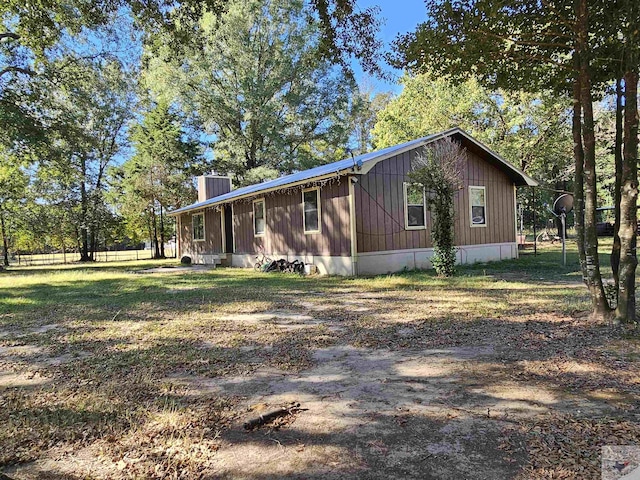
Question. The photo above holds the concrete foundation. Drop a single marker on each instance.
(374, 263)
(390, 261)
(327, 265)
(205, 259)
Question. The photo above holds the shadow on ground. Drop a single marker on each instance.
(109, 374)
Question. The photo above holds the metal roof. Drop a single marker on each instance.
(298, 177)
(348, 165)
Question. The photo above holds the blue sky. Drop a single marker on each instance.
(399, 16)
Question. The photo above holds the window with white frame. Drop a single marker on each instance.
(415, 206)
(197, 226)
(311, 210)
(478, 206)
(259, 217)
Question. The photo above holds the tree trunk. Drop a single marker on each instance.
(78, 244)
(162, 255)
(578, 155)
(155, 232)
(5, 242)
(93, 242)
(626, 309)
(84, 230)
(95, 237)
(617, 150)
(150, 229)
(600, 306)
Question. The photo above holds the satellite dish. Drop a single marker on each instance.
(563, 204)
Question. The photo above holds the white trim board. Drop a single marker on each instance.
(204, 227)
(484, 206)
(405, 195)
(318, 209)
(264, 216)
(353, 236)
(223, 232)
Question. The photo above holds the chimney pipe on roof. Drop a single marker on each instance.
(210, 186)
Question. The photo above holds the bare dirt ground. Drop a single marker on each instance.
(393, 380)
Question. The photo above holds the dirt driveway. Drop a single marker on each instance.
(386, 412)
(368, 414)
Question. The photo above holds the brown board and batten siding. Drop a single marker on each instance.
(373, 214)
(212, 242)
(284, 232)
(380, 206)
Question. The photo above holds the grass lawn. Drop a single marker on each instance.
(497, 373)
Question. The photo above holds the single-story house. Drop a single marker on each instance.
(361, 215)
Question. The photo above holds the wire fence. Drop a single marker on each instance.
(71, 257)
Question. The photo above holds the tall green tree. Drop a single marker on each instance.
(159, 176)
(429, 104)
(531, 130)
(13, 195)
(256, 80)
(35, 34)
(629, 19)
(366, 106)
(348, 31)
(91, 106)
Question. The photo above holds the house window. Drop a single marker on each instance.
(258, 217)
(311, 210)
(415, 208)
(197, 224)
(478, 206)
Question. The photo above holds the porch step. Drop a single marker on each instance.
(207, 259)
